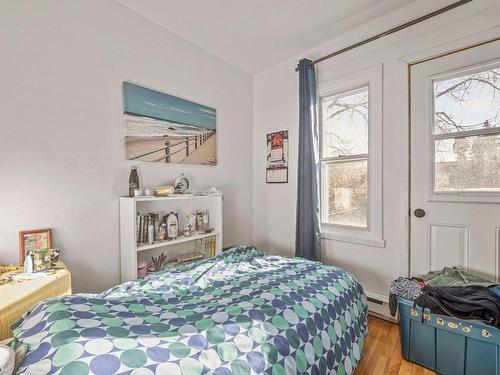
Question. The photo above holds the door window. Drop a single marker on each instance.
(467, 131)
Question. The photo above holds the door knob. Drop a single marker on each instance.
(419, 212)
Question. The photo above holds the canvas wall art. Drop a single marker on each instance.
(163, 128)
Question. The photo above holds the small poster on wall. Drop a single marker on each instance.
(277, 157)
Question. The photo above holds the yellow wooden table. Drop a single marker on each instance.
(16, 298)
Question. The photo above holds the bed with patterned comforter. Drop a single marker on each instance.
(242, 312)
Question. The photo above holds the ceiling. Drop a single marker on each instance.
(257, 34)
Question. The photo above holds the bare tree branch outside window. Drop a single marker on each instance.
(468, 102)
(345, 134)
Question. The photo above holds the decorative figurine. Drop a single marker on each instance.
(54, 255)
(162, 230)
(188, 227)
(181, 184)
(28, 263)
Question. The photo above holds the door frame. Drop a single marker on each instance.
(451, 48)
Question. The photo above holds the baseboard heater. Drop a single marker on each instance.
(377, 301)
(378, 306)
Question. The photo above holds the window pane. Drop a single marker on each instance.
(347, 192)
(468, 102)
(345, 124)
(468, 164)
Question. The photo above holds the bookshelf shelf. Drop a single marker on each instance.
(131, 252)
(170, 198)
(178, 240)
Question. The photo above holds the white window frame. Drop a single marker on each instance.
(372, 235)
(472, 196)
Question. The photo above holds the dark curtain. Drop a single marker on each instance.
(307, 231)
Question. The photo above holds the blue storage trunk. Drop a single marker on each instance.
(447, 345)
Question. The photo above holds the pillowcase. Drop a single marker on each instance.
(12, 353)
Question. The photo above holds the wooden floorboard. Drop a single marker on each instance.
(382, 352)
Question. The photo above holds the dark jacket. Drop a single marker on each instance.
(470, 302)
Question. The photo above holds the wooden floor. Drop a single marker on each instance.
(382, 352)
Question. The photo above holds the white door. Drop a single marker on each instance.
(455, 162)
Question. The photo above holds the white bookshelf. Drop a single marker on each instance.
(131, 252)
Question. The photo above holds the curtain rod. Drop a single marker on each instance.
(391, 31)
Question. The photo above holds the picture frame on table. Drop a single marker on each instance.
(31, 241)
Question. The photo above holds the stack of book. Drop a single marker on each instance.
(142, 224)
(206, 246)
(188, 258)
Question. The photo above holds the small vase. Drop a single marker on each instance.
(40, 263)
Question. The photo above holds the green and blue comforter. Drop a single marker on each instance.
(242, 312)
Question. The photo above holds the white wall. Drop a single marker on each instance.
(276, 108)
(61, 134)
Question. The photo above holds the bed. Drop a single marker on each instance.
(242, 312)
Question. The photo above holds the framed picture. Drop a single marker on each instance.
(31, 241)
(163, 128)
(277, 157)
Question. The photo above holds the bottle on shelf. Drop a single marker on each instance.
(151, 233)
(163, 231)
(206, 221)
(133, 181)
(172, 226)
(199, 222)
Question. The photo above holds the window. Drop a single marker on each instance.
(344, 155)
(466, 131)
(350, 157)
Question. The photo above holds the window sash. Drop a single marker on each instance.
(467, 133)
(339, 94)
(463, 134)
(323, 194)
(344, 158)
(453, 75)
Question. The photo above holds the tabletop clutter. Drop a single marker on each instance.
(451, 291)
(35, 265)
(181, 186)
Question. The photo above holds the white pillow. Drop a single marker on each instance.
(7, 360)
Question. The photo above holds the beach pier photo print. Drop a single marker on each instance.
(163, 128)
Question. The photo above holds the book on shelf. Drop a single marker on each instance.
(143, 221)
(206, 246)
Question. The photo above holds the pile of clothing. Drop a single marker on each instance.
(451, 291)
